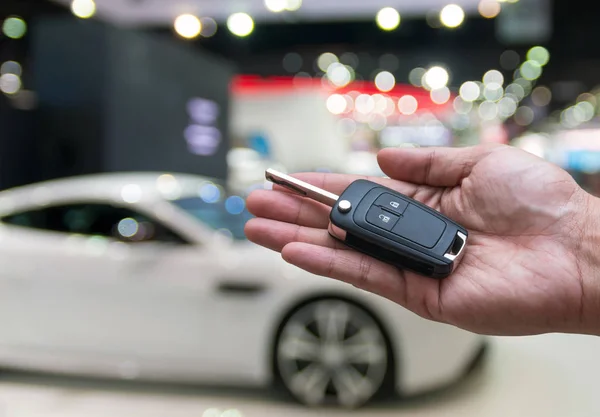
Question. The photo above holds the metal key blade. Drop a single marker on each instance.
(301, 187)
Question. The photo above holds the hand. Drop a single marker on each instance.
(524, 270)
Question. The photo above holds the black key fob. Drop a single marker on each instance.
(398, 230)
(388, 226)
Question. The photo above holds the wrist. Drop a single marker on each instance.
(587, 255)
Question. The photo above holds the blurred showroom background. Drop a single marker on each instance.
(192, 100)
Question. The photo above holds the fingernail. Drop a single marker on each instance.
(409, 145)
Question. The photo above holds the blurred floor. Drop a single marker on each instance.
(551, 375)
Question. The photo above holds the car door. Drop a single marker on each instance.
(106, 284)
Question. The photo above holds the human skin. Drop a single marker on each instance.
(531, 265)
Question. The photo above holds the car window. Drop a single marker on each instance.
(96, 220)
(227, 215)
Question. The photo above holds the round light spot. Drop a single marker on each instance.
(388, 18)
(210, 193)
(469, 91)
(541, 96)
(531, 70)
(84, 9)
(462, 106)
(385, 81)
(208, 27)
(415, 77)
(10, 83)
(325, 60)
(493, 76)
(364, 104)
(440, 96)
(336, 104)
(11, 67)
(452, 16)
(14, 27)
(539, 54)
(493, 92)
(235, 205)
(489, 8)
(524, 116)
(507, 107)
(128, 227)
(436, 78)
(131, 193)
(408, 105)
(240, 24)
(188, 26)
(276, 6)
(488, 110)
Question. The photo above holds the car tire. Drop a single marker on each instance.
(333, 352)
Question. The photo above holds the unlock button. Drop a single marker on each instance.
(393, 203)
(377, 217)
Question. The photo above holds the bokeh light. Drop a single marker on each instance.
(440, 95)
(14, 27)
(524, 116)
(208, 27)
(210, 193)
(452, 16)
(337, 104)
(488, 110)
(240, 24)
(541, 96)
(408, 105)
(469, 91)
(539, 54)
(11, 67)
(131, 193)
(436, 78)
(128, 227)
(415, 77)
(531, 70)
(385, 81)
(276, 6)
(235, 205)
(493, 76)
(325, 60)
(188, 26)
(10, 83)
(388, 18)
(489, 8)
(84, 9)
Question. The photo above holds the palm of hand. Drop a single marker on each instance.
(518, 210)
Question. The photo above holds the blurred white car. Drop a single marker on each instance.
(149, 276)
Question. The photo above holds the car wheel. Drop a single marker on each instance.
(333, 352)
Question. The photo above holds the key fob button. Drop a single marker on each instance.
(380, 218)
(390, 202)
(420, 227)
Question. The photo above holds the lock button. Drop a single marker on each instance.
(392, 203)
(380, 218)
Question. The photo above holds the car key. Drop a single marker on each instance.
(388, 225)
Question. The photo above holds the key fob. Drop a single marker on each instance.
(398, 230)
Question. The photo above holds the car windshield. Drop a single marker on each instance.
(226, 215)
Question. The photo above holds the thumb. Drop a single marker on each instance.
(434, 166)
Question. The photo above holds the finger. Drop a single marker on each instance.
(289, 208)
(418, 294)
(434, 166)
(337, 183)
(275, 235)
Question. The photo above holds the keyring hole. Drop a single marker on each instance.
(457, 246)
